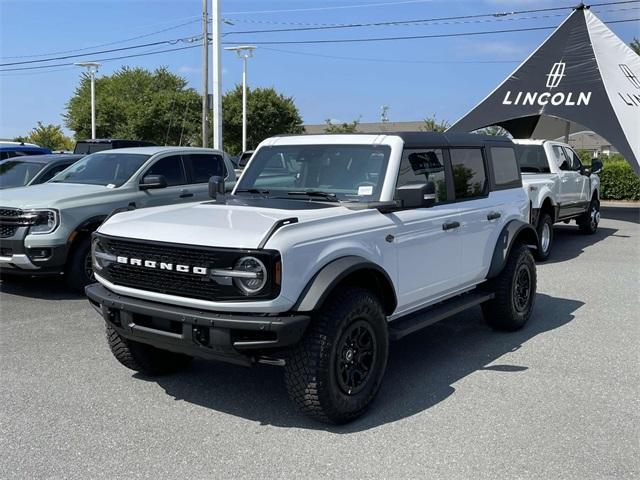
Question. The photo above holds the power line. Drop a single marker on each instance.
(101, 59)
(162, 42)
(105, 44)
(319, 9)
(495, 17)
(410, 37)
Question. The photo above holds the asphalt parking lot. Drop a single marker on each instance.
(559, 399)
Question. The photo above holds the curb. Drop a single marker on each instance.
(619, 204)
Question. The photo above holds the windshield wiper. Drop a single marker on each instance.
(257, 191)
(316, 193)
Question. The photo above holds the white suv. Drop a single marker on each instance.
(328, 247)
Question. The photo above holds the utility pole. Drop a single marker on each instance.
(244, 52)
(92, 69)
(205, 74)
(217, 74)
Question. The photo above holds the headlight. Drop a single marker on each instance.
(255, 279)
(41, 221)
(100, 258)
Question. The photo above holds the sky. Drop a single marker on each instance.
(416, 79)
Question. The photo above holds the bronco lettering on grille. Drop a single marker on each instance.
(139, 262)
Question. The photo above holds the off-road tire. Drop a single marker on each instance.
(312, 367)
(145, 358)
(588, 223)
(503, 312)
(541, 253)
(75, 271)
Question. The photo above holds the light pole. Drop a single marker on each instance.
(244, 52)
(205, 74)
(92, 69)
(216, 74)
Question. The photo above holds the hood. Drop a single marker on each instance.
(210, 224)
(48, 195)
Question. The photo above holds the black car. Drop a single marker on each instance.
(34, 169)
(86, 147)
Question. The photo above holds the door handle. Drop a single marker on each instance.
(494, 215)
(450, 225)
(565, 180)
(186, 195)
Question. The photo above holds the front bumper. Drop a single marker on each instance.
(17, 259)
(234, 338)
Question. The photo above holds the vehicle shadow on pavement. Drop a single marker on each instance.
(621, 214)
(421, 372)
(45, 288)
(569, 242)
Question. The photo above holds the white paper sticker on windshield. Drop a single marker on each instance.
(111, 185)
(365, 190)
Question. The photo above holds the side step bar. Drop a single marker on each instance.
(430, 315)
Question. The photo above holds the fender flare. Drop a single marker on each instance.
(328, 277)
(512, 231)
(86, 224)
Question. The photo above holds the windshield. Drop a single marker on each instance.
(108, 169)
(15, 173)
(533, 159)
(339, 172)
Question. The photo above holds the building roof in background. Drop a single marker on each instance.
(588, 140)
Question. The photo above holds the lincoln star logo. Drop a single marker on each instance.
(140, 262)
(555, 75)
(630, 75)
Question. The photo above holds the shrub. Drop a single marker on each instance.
(618, 181)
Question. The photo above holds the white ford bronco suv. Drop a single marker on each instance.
(328, 247)
(560, 189)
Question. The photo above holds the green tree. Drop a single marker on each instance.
(350, 127)
(432, 124)
(268, 113)
(138, 104)
(49, 136)
(635, 45)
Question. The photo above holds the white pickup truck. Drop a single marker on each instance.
(560, 188)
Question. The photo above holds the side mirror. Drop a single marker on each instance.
(596, 166)
(153, 181)
(217, 189)
(417, 195)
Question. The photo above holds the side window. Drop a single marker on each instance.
(561, 158)
(172, 169)
(469, 176)
(505, 166)
(205, 166)
(422, 165)
(53, 172)
(575, 162)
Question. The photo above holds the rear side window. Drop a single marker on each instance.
(422, 165)
(171, 168)
(205, 166)
(505, 166)
(533, 159)
(469, 175)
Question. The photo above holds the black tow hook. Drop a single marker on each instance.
(201, 336)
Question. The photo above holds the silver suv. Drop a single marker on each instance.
(46, 229)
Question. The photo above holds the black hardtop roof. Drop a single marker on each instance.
(437, 139)
(47, 158)
(430, 139)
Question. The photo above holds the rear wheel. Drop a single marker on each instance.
(79, 271)
(515, 291)
(335, 371)
(545, 237)
(144, 358)
(588, 223)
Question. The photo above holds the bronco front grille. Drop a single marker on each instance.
(180, 283)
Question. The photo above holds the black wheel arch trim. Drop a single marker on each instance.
(330, 276)
(513, 231)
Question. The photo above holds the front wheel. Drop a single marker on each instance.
(335, 371)
(79, 271)
(545, 237)
(588, 223)
(515, 291)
